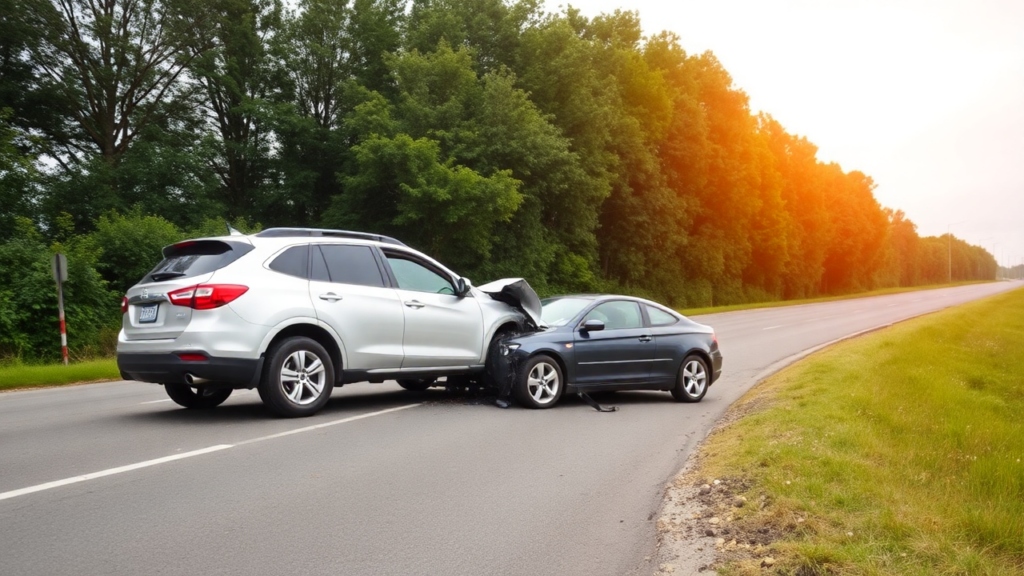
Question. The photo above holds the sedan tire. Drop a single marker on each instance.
(197, 398)
(298, 378)
(539, 383)
(692, 381)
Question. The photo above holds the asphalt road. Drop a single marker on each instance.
(383, 481)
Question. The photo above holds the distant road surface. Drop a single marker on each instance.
(382, 481)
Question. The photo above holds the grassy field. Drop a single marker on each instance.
(776, 304)
(897, 453)
(19, 375)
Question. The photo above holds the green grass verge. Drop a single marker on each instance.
(901, 452)
(779, 303)
(18, 375)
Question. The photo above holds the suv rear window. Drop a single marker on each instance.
(293, 262)
(195, 258)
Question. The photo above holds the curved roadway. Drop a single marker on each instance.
(114, 479)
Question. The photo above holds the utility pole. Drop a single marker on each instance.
(994, 246)
(949, 249)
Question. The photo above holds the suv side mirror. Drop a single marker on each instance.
(593, 325)
(463, 285)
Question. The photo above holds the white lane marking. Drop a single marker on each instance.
(154, 462)
(326, 424)
(156, 401)
(773, 327)
(109, 472)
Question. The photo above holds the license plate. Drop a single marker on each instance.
(147, 313)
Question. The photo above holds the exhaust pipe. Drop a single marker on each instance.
(192, 380)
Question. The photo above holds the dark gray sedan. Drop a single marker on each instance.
(602, 342)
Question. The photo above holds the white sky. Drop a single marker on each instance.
(926, 97)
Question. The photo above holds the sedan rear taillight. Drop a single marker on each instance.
(206, 296)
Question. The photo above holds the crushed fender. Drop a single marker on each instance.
(518, 294)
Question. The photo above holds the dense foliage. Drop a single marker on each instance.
(505, 141)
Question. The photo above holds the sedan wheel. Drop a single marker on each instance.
(692, 382)
(539, 384)
(299, 378)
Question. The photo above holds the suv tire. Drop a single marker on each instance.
(298, 378)
(199, 398)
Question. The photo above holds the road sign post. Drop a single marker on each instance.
(60, 274)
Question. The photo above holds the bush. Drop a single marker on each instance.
(29, 320)
(131, 246)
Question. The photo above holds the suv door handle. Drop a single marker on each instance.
(414, 304)
(330, 297)
(645, 338)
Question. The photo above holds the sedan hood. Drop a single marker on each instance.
(516, 293)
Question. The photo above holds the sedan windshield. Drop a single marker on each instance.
(559, 311)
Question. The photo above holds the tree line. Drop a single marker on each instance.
(500, 139)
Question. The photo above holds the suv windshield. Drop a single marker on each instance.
(560, 311)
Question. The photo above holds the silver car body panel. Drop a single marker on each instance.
(374, 328)
(370, 320)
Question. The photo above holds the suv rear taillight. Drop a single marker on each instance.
(206, 296)
(124, 304)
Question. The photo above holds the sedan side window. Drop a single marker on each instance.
(419, 278)
(659, 317)
(617, 315)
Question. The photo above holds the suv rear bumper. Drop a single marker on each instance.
(169, 368)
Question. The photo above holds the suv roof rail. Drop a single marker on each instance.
(299, 232)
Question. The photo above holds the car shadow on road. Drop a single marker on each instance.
(251, 409)
(486, 399)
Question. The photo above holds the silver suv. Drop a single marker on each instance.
(296, 312)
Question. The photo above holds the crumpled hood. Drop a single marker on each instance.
(517, 293)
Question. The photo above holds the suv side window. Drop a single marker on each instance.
(348, 264)
(617, 315)
(659, 317)
(293, 261)
(414, 276)
(318, 271)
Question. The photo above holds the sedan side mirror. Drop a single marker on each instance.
(464, 286)
(593, 325)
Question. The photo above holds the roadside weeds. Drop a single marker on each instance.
(896, 453)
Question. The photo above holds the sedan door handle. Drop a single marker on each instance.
(415, 304)
(330, 297)
(645, 338)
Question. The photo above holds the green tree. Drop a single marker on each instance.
(115, 67)
(239, 77)
(18, 177)
(403, 188)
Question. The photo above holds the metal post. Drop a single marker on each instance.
(60, 273)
